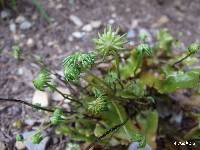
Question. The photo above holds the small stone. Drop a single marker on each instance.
(5, 14)
(70, 38)
(20, 145)
(25, 25)
(30, 122)
(135, 145)
(2, 146)
(35, 16)
(161, 21)
(111, 21)
(76, 20)
(114, 15)
(87, 28)
(30, 42)
(57, 97)
(59, 6)
(12, 27)
(78, 35)
(96, 24)
(134, 23)
(20, 19)
(40, 97)
(131, 34)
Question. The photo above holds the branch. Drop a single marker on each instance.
(113, 129)
(182, 59)
(32, 105)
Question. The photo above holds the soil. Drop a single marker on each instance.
(53, 41)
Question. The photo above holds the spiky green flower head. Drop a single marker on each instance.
(16, 51)
(111, 77)
(194, 47)
(98, 105)
(109, 41)
(19, 137)
(144, 49)
(37, 138)
(76, 63)
(57, 117)
(42, 80)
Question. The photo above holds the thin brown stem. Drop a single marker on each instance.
(32, 105)
(182, 59)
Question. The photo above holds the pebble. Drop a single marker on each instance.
(20, 19)
(111, 21)
(134, 146)
(76, 20)
(59, 6)
(87, 28)
(20, 145)
(25, 25)
(70, 38)
(5, 14)
(78, 35)
(134, 23)
(30, 42)
(2, 146)
(30, 122)
(57, 97)
(131, 34)
(161, 21)
(40, 97)
(96, 24)
(12, 27)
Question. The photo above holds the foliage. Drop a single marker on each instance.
(16, 51)
(121, 102)
(37, 138)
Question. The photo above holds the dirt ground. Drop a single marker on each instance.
(55, 40)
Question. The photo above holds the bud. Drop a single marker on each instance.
(37, 138)
(109, 41)
(144, 48)
(98, 105)
(57, 117)
(194, 47)
(19, 137)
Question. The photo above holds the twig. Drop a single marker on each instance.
(32, 105)
(179, 61)
(113, 129)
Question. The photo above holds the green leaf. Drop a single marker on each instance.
(127, 69)
(164, 40)
(134, 89)
(72, 146)
(99, 130)
(19, 137)
(178, 80)
(42, 80)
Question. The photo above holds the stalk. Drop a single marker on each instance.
(182, 59)
(117, 61)
(66, 96)
(121, 119)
